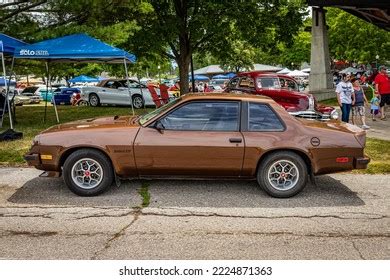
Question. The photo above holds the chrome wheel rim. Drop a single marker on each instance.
(137, 102)
(83, 103)
(93, 100)
(283, 175)
(87, 173)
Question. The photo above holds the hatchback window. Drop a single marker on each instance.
(268, 82)
(204, 116)
(263, 118)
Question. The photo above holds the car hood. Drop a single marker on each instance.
(96, 123)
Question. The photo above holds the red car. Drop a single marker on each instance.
(284, 90)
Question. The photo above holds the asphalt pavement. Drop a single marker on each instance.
(343, 216)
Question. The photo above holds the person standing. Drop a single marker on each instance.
(345, 96)
(360, 100)
(382, 86)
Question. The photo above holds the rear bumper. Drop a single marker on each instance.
(361, 163)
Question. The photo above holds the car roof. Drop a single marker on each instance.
(262, 74)
(228, 96)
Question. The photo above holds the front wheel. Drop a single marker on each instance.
(138, 102)
(88, 172)
(282, 174)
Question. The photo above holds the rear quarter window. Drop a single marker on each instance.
(262, 118)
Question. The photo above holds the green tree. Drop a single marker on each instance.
(179, 28)
(353, 39)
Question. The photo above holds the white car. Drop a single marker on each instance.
(115, 92)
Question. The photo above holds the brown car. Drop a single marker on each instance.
(200, 136)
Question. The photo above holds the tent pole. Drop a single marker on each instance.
(6, 94)
(51, 89)
(128, 85)
(47, 89)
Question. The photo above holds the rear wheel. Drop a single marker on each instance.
(282, 174)
(94, 100)
(82, 103)
(138, 101)
(88, 172)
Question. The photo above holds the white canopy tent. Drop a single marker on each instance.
(284, 71)
(297, 73)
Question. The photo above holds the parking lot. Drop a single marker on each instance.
(343, 216)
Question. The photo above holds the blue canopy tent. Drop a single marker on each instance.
(75, 48)
(5, 82)
(220, 76)
(230, 75)
(84, 79)
(200, 78)
(7, 48)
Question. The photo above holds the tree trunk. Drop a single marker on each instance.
(184, 66)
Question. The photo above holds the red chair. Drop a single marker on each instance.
(156, 99)
(164, 95)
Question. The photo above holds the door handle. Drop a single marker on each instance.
(235, 140)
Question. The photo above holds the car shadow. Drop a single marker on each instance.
(328, 192)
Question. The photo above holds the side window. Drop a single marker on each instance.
(268, 82)
(204, 116)
(233, 82)
(263, 118)
(247, 82)
(292, 85)
(110, 84)
(133, 84)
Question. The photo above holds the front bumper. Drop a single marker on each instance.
(32, 159)
(312, 115)
(361, 163)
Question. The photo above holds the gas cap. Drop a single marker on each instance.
(315, 141)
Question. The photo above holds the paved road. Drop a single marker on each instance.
(344, 217)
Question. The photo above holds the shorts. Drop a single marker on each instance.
(358, 110)
(385, 99)
(374, 112)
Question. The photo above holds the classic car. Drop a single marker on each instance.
(284, 90)
(63, 96)
(116, 92)
(200, 136)
(33, 92)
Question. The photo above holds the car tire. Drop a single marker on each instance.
(94, 100)
(82, 103)
(88, 172)
(282, 174)
(138, 101)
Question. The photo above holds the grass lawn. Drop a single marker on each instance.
(30, 122)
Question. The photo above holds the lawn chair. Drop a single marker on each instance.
(156, 99)
(164, 95)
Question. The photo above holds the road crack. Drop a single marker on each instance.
(357, 250)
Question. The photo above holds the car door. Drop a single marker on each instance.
(200, 138)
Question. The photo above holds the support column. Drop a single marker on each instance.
(320, 79)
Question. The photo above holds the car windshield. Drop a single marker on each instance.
(154, 113)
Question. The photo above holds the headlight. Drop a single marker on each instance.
(334, 115)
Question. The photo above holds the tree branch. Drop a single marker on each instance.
(22, 9)
(12, 3)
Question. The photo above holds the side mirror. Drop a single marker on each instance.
(159, 126)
